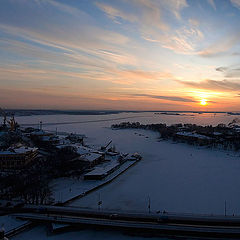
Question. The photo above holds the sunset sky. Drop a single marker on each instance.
(120, 54)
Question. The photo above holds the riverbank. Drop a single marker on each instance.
(66, 190)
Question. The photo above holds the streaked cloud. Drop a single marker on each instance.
(147, 14)
(222, 45)
(212, 3)
(214, 85)
(149, 17)
(184, 40)
(235, 3)
(169, 98)
(115, 13)
(230, 72)
(221, 69)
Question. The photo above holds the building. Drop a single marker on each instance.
(193, 137)
(92, 159)
(17, 158)
(102, 171)
(66, 148)
(76, 138)
(44, 139)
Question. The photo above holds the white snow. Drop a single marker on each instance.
(176, 177)
(8, 222)
(83, 150)
(91, 157)
(20, 150)
(64, 189)
(192, 134)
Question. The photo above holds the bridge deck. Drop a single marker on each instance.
(214, 226)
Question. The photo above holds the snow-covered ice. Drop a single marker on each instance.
(176, 177)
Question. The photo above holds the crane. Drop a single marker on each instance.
(13, 124)
(104, 148)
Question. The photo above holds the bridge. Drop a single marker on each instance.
(152, 223)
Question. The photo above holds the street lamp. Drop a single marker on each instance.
(99, 202)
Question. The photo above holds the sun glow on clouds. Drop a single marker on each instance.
(124, 52)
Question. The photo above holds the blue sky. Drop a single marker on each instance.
(120, 54)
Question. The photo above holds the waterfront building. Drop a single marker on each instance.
(193, 137)
(92, 158)
(44, 139)
(17, 158)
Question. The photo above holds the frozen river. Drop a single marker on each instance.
(176, 177)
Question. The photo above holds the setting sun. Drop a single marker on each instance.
(203, 102)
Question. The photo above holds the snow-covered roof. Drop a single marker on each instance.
(38, 132)
(41, 133)
(195, 135)
(237, 129)
(217, 133)
(6, 152)
(25, 149)
(76, 135)
(91, 157)
(61, 146)
(19, 150)
(103, 170)
(83, 150)
(49, 138)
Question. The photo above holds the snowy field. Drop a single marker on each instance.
(176, 177)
